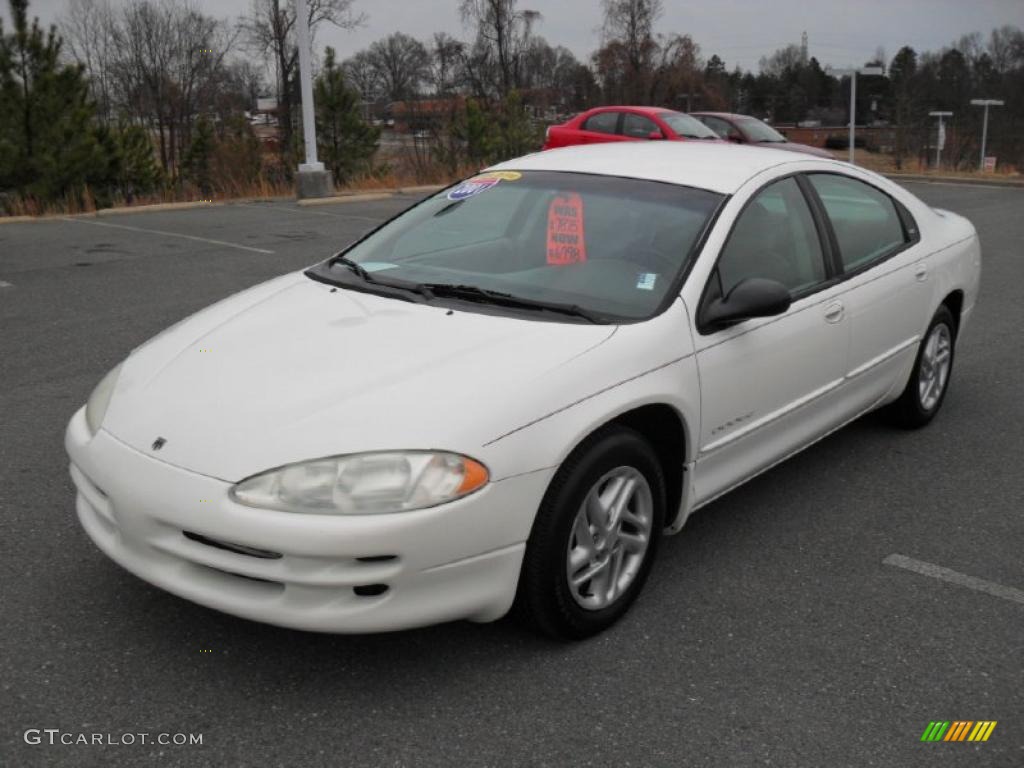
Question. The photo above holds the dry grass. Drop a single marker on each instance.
(884, 163)
(395, 175)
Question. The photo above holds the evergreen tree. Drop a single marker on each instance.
(197, 164)
(347, 142)
(138, 171)
(902, 75)
(48, 148)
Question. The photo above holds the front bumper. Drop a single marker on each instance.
(180, 531)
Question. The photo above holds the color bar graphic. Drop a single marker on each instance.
(958, 730)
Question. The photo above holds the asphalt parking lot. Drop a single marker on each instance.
(772, 632)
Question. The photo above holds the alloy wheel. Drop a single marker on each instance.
(609, 539)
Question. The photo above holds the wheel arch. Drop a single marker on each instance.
(954, 301)
(665, 428)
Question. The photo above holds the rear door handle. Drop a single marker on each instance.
(834, 312)
(921, 271)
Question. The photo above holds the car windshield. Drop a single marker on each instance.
(758, 132)
(559, 246)
(687, 127)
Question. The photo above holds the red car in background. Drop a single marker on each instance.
(627, 124)
(744, 129)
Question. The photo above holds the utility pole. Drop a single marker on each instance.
(313, 179)
(869, 70)
(941, 138)
(986, 103)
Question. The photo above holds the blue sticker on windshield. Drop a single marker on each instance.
(472, 187)
(645, 281)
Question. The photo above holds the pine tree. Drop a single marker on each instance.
(48, 148)
(138, 171)
(197, 164)
(347, 142)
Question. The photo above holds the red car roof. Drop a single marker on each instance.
(645, 110)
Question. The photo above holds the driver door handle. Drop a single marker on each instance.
(834, 312)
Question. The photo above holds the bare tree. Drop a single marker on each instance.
(87, 28)
(270, 31)
(628, 50)
(362, 73)
(446, 54)
(1005, 44)
(402, 64)
(789, 57)
(167, 62)
(503, 35)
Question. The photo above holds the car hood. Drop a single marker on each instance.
(293, 370)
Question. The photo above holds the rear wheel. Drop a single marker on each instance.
(595, 536)
(929, 379)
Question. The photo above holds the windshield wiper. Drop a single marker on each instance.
(365, 275)
(485, 295)
(355, 266)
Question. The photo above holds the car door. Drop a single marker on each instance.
(768, 385)
(723, 128)
(885, 289)
(637, 127)
(601, 127)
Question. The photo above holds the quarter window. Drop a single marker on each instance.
(774, 238)
(638, 126)
(865, 220)
(602, 122)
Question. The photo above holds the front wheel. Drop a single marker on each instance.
(595, 536)
(929, 379)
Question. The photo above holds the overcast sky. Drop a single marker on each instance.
(841, 32)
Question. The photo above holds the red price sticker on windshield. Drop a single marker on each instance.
(566, 235)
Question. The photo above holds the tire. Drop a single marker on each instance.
(613, 464)
(919, 403)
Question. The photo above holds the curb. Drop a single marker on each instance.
(356, 197)
(919, 177)
(184, 206)
(345, 197)
(350, 198)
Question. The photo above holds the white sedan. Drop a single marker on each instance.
(508, 393)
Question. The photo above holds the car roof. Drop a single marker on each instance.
(718, 167)
(645, 110)
(726, 115)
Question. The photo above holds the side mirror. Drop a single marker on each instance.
(654, 135)
(753, 297)
(735, 138)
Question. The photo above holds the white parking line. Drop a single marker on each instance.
(302, 211)
(955, 577)
(6, 285)
(166, 234)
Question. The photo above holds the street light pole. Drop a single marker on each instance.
(940, 139)
(853, 109)
(313, 179)
(986, 103)
(868, 70)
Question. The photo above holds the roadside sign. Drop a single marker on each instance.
(942, 136)
(990, 164)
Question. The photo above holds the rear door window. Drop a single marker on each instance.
(866, 222)
(602, 122)
(638, 127)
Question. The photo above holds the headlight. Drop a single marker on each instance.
(364, 483)
(96, 407)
